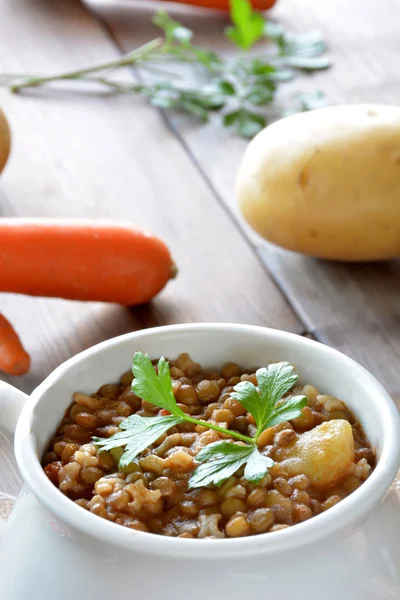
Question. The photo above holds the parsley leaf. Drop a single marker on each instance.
(260, 94)
(195, 102)
(311, 101)
(286, 410)
(156, 389)
(220, 460)
(308, 44)
(257, 466)
(273, 383)
(178, 42)
(308, 63)
(173, 31)
(248, 24)
(138, 433)
(237, 87)
(245, 122)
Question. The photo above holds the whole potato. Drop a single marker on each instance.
(327, 183)
(5, 140)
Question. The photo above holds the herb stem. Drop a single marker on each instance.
(208, 425)
(115, 85)
(221, 459)
(153, 69)
(129, 59)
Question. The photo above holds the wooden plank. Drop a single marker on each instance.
(329, 294)
(355, 308)
(375, 345)
(113, 157)
(358, 342)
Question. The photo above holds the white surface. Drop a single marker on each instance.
(130, 8)
(135, 5)
(350, 552)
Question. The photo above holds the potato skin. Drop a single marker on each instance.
(5, 140)
(327, 183)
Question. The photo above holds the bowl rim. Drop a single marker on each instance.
(341, 519)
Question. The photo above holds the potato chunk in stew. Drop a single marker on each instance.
(319, 457)
(325, 454)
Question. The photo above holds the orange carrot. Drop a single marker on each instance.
(5, 140)
(224, 4)
(82, 260)
(13, 358)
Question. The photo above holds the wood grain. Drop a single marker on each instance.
(355, 308)
(114, 157)
(104, 156)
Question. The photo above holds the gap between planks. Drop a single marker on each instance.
(174, 130)
(109, 158)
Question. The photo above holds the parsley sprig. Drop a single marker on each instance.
(219, 460)
(241, 89)
(248, 24)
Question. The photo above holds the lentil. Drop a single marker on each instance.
(152, 495)
(238, 526)
(186, 395)
(261, 520)
(208, 390)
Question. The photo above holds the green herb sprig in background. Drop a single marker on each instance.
(219, 460)
(241, 89)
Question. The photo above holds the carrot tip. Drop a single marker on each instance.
(18, 368)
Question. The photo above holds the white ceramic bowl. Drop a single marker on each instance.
(52, 549)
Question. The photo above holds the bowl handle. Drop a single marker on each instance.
(11, 403)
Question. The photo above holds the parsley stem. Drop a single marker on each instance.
(129, 59)
(234, 434)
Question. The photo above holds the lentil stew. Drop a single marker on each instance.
(152, 494)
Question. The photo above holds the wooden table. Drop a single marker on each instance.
(116, 157)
